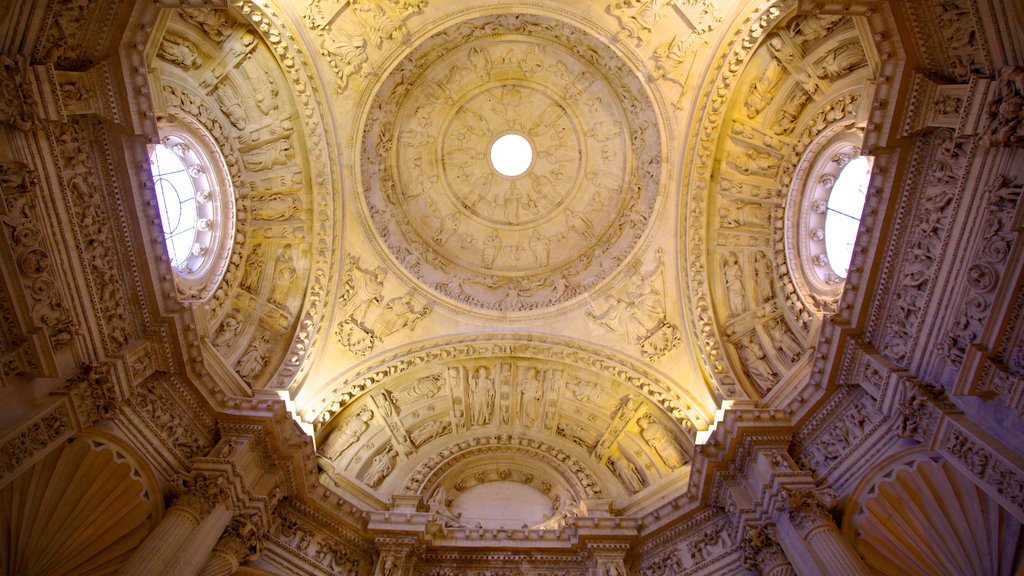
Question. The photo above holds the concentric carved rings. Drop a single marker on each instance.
(511, 243)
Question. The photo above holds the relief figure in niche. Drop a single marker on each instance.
(785, 341)
(734, 283)
(253, 270)
(491, 248)
(276, 206)
(347, 433)
(382, 465)
(661, 441)
(481, 388)
(227, 330)
(213, 22)
(179, 51)
(251, 364)
(762, 89)
(530, 393)
(754, 361)
(284, 274)
(266, 157)
(231, 106)
(540, 245)
(428, 432)
(626, 473)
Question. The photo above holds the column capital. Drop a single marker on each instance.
(243, 538)
(760, 550)
(808, 508)
(200, 493)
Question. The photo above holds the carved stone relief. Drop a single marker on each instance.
(24, 232)
(368, 315)
(636, 310)
(510, 243)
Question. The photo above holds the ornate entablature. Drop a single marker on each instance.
(451, 219)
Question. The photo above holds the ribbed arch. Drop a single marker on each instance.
(929, 519)
(79, 511)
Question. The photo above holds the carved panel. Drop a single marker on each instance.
(491, 241)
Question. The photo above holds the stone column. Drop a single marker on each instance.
(812, 530)
(240, 543)
(762, 553)
(202, 542)
(172, 537)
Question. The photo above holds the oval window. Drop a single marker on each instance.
(842, 218)
(176, 196)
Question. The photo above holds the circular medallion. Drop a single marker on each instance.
(511, 162)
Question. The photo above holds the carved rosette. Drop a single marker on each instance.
(511, 243)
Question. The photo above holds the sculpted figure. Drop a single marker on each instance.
(627, 473)
(347, 433)
(428, 432)
(660, 440)
(481, 387)
(492, 246)
(398, 313)
(530, 394)
(255, 358)
(734, 283)
(276, 207)
(284, 273)
(227, 330)
(382, 465)
(753, 358)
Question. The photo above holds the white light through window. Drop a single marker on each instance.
(511, 155)
(176, 197)
(845, 204)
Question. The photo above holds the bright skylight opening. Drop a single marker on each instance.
(176, 197)
(845, 204)
(511, 155)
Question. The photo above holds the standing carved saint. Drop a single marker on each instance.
(284, 274)
(734, 283)
(661, 441)
(481, 387)
(530, 393)
(347, 433)
(626, 473)
(755, 363)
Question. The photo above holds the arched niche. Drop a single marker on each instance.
(81, 510)
(920, 515)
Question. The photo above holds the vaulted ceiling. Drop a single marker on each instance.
(571, 330)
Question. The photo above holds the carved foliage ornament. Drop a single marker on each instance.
(511, 243)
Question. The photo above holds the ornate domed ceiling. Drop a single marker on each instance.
(561, 332)
(532, 240)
